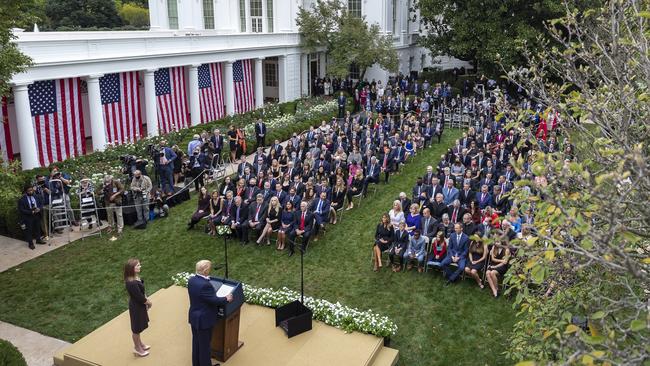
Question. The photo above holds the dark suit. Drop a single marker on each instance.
(239, 223)
(204, 304)
(465, 197)
(321, 217)
(458, 248)
(429, 227)
(371, 176)
(260, 134)
(31, 219)
(401, 242)
(308, 228)
(253, 209)
(217, 143)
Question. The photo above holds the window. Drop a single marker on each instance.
(256, 16)
(408, 16)
(242, 16)
(354, 7)
(172, 14)
(269, 15)
(394, 16)
(208, 14)
(354, 72)
(271, 74)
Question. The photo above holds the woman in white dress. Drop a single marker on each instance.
(396, 214)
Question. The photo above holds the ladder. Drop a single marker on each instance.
(89, 215)
(58, 214)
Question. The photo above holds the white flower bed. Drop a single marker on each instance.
(334, 314)
(301, 115)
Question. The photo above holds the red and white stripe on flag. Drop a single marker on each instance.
(5, 137)
(243, 80)
(211, 92)
(171, 99)
(58, 119)
(121, 101)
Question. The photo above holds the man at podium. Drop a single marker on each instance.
(204, 305)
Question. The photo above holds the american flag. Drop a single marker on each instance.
(242, 76)
(58, 119)
(121, 100)
(171, 101)
(5, 138)
(211, 92)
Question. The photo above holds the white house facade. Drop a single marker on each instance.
(188, 34)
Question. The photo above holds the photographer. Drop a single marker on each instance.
(141, 187)
(112, 192)
(198, 164)
(85, 190)
(166, 158)
(42, 193)
(158, 205)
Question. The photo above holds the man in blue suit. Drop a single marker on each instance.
(204, 304)
(166, 168)
(456, 253)
(29, 207)
(450, 192)
(341, 102)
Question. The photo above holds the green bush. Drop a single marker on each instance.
(12, 178)
(10, 355)
(134, 15)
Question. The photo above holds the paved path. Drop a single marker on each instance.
(37, 349)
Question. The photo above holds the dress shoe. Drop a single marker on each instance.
(39, 241)
(141, 354)
(31, 246)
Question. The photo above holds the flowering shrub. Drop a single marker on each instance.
(324, 109)
(334, 314)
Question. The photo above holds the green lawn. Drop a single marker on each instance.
(71, 291)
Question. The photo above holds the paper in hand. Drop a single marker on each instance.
(224, 290)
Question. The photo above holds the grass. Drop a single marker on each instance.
(69, 292)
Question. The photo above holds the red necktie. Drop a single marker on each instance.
(302, 221)
(453, 217)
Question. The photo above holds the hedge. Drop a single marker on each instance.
(12, 178)
(10, 355)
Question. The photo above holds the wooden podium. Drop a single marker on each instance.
(225, 334)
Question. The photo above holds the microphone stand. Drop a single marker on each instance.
(225, 251)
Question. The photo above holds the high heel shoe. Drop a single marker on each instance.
(143, 354)
(145, 347)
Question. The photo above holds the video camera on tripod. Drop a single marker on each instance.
(130, 164)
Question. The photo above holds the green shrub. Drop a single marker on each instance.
(10, 355)
(134, 15)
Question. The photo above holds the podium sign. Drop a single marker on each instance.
(225, 334)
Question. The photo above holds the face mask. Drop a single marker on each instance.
(30, 193)
(137, 177)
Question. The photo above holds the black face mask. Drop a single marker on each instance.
(30, 193)
(137, 177)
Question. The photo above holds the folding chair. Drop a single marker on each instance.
(430, 261)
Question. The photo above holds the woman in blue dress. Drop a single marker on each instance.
(413, 219)
(286, 224)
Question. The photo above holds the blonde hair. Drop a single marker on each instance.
(203, 267)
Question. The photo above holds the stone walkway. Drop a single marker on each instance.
(38, 350)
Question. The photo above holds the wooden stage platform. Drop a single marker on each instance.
(169, 336)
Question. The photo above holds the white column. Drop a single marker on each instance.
(247, 9)
(26, 137)
(97, 126)
(304, 74)
(229, 87)
(322, 64)
(151, 110)
(195, 107)
(282, 82)
(154, 17)
(259, 82)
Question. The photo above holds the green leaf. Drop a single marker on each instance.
(571, 328)
(598, 315)
(637, 325)
(526, 363)
(538, 273)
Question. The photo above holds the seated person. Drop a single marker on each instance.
(216, 206)
(320, 207)
(256, 217)
(415, 250)
(438, 250)
(384, 235)
(499, 261)
(338, 198)
(396, 214)
(476, 261)
(273, 214)
(237, 217)
(356, 186)
(286, 224)
(202, 210)
(413, 219)
(456, 254)
(400, 243)
(303, 226)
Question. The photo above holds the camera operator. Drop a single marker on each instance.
(166, 160)
(198, 164)
(112, 192)
(42, 193)
(62, 190)
(141, 187)
(159, 203)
